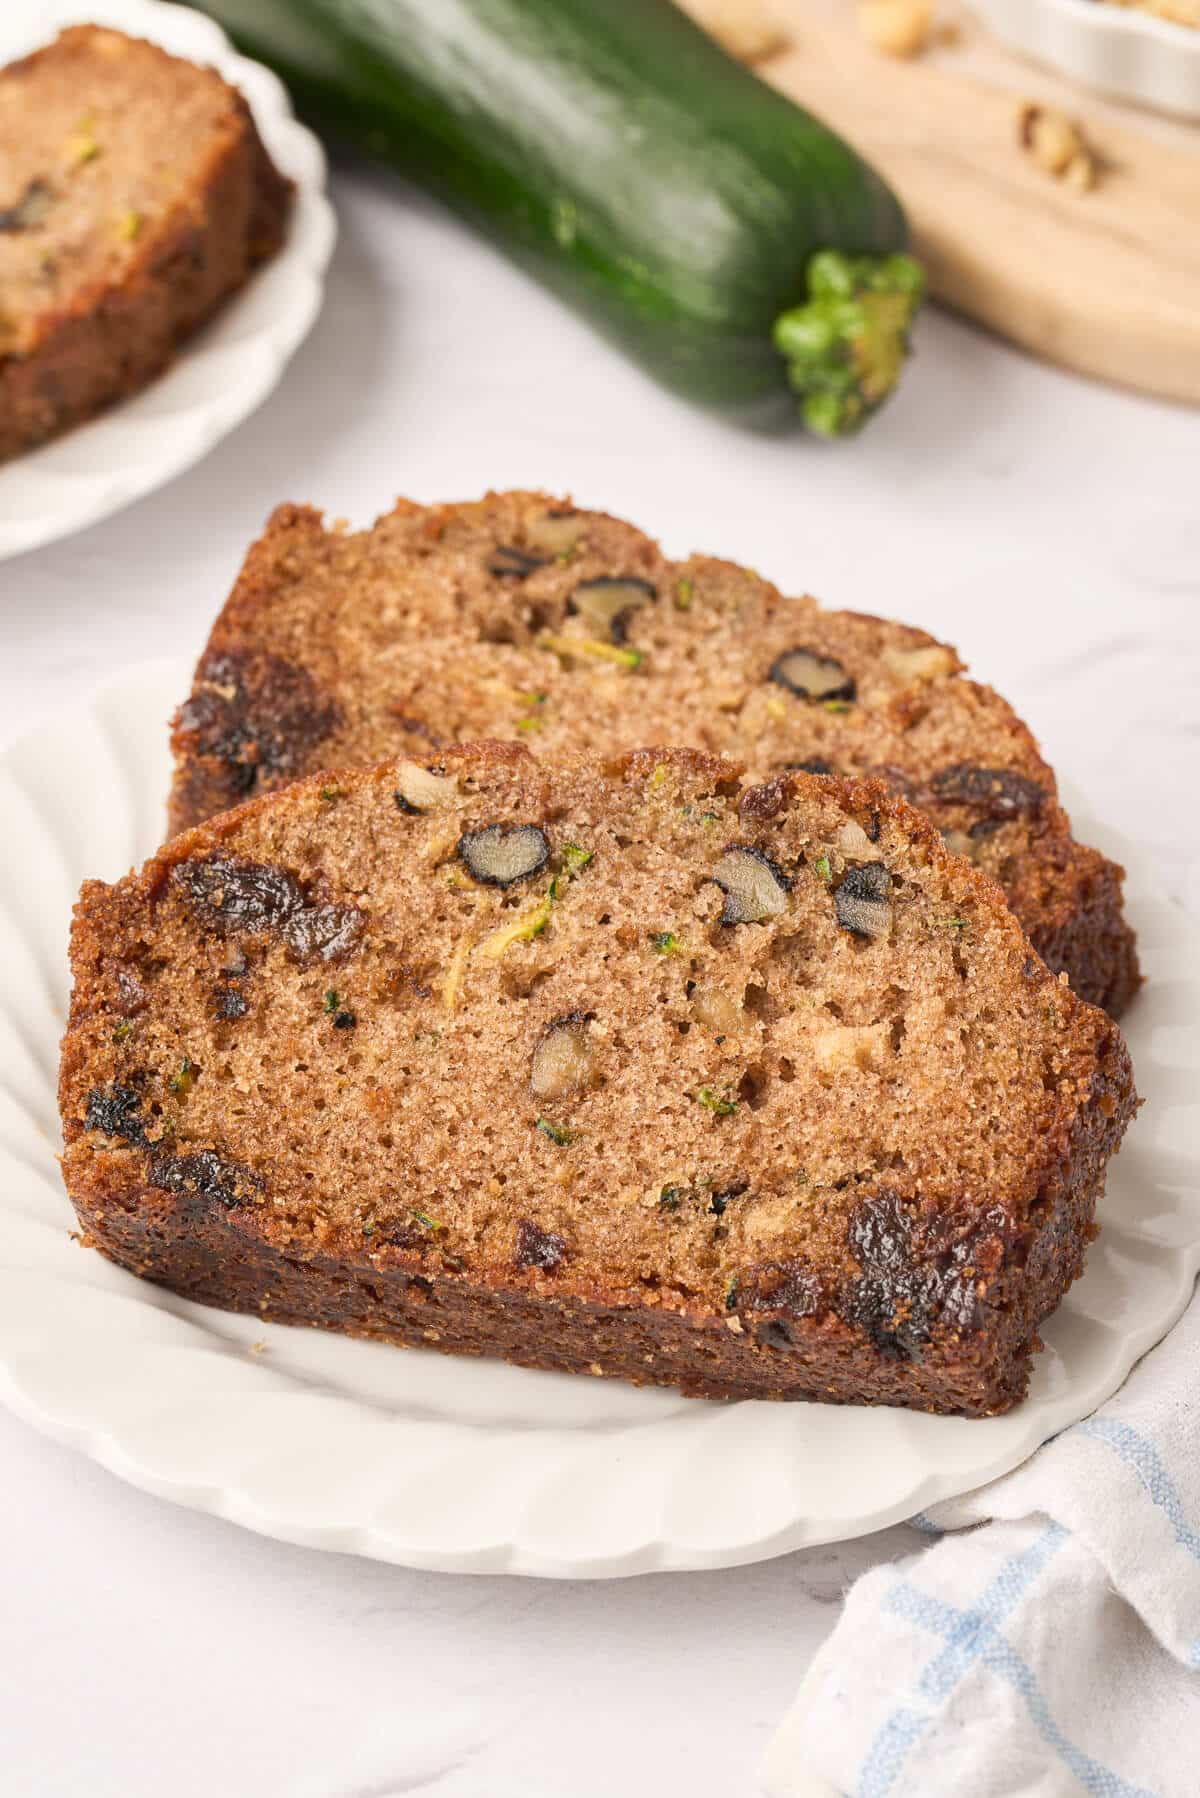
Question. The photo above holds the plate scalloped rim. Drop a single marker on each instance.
(229, 367)
(437, 1462)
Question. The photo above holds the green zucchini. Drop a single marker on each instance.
(721, 235)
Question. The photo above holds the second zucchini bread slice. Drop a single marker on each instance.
(629, 1068)
(521, 617)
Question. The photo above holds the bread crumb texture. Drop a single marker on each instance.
(521, 617)
(636, 1065)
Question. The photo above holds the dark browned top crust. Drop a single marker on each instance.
(631, 1067)
(135, 196)
(521, 617)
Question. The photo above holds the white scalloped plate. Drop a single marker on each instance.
(466, 1465)
(1118, 49)
(227, 369)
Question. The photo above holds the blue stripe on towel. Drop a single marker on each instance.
(973, 1635)
(962, 1630)
(920, 1522)
(1143, 1459)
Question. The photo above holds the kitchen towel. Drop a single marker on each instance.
(1046, 1642)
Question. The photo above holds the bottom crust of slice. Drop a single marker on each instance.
(199, 1249)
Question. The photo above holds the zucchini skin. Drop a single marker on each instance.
(609, 146)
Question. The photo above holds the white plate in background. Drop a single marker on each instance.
(1120, 50)
(466, 1465)
(230, 366)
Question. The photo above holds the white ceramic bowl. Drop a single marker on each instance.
(227, 369)
(1118, 49)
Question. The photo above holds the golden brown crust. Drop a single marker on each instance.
(195, 1248)
(124, 288)
(1080, 926)
(952, 1104)
(432, 627)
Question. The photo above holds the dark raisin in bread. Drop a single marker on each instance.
(625, 1068)
(135, 196)
(520, 617)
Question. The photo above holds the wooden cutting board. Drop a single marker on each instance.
(1106, 282)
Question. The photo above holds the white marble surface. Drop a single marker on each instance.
(1049, 527)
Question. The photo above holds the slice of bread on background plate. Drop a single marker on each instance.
(135, 196)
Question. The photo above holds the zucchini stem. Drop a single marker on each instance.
(845, 347)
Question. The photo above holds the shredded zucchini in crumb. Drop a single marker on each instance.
(718, 1103)
(575, 859)
(457, 967)
(523, 928)
(182, 1083)
(591, 646)
(556, 1132)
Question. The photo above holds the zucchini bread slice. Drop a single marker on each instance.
(627, 1068)
(135, 196)
(519, 617)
